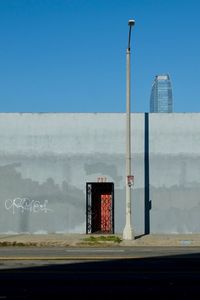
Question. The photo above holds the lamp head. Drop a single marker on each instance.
(131, 22)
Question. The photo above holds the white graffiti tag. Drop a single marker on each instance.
(26, 204)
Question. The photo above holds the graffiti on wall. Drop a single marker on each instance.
(26, 204)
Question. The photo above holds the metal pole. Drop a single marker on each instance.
(128, 231)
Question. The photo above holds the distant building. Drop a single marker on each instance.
(161, 94)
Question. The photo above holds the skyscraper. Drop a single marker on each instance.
(161, 94)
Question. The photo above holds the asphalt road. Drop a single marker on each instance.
(94, 273)
(63, 253)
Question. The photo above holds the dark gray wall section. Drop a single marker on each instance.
(46, 160)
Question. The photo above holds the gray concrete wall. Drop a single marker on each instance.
(174, 145)
(46, 160)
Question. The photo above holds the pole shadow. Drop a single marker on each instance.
(147, 202)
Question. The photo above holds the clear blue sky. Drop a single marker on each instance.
(70, 55)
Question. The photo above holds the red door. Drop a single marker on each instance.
(106, 218)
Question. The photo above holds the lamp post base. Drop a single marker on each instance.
(128, 233)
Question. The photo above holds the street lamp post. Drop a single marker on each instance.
(128, 233)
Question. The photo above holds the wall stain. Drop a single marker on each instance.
(103, 168)
(65, 197)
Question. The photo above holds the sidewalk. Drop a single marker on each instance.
(83, 240)
(164, 240)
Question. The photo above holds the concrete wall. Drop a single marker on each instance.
(174, 168)
(47, 158)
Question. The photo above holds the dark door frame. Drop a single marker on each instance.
(104, 187)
